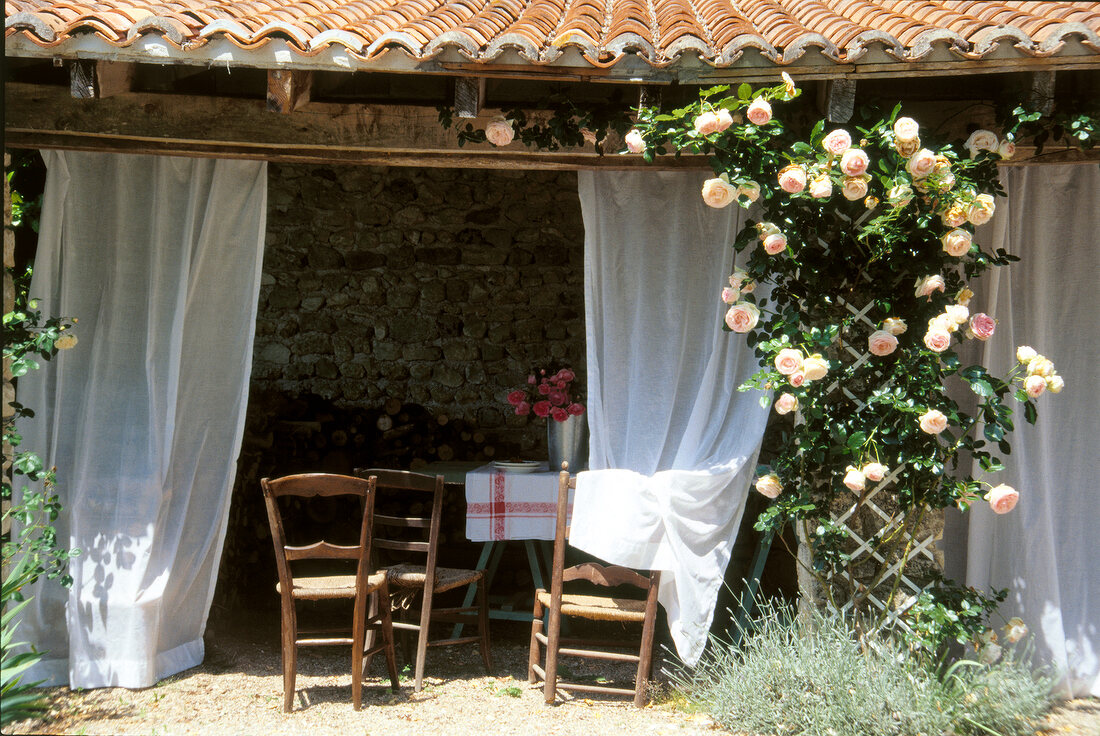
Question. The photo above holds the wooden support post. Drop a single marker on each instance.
(840, 100)
(1041, 98)
(649, 96)
(287, 90)
(93, 80)
(469, 96)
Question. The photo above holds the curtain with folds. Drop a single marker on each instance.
(673, 442)
(159, 259)
(1044, 551)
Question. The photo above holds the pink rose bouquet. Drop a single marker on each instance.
(548, 394)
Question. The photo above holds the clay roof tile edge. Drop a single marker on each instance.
(345, 38)
(168, 28)
(32, 22)
(735, 48)
(859, 45)
(797, 49)
(1053, 39)
(925, 41)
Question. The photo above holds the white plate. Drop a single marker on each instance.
(523, 466)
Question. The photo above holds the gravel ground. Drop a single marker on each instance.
(238, 691)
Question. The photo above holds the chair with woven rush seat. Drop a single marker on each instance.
(402, 528)
(324, 585)
(594, 607)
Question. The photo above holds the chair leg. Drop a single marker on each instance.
(358, 639)
(422, 640)
(553, 639)
(483, 626)
(371, 638)
(290, 654)
(536, 629)
(645, 661)
(386, 623)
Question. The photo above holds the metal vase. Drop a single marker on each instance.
(568, 441)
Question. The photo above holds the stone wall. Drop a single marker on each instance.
(438, 288)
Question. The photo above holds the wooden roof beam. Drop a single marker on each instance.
(93, 80)
(288, 89)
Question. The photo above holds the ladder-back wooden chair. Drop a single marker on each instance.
(357, 587)
(595, 607)
(402, 528)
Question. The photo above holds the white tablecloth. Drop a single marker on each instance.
(504, 505)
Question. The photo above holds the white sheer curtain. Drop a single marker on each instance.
(674, 444)
(1044, 552)
(159, 259)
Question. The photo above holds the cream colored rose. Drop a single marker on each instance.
(981, 140)
(792, 179)
(943, 321)
(1055, 384)
(499, 132)
(759, 112)
(854, 479)
(882, 342)
(957, 242)
(957, 313)
(814, 368)
(706, 123)
(821, 187)
(964, 296)
(769, 485)
(750, 190)
(1024, 354)
(65, 341)
(929, 284)
(725, 119)
(785, 404)
(954, 215)
(990, 653)
(854, 162)
(854, 187)
(837, 141)
(933, 421)
(874, 472)
(1006, 149)
(906, 149)
(906, 129)
(981, 209)
(894, 326)
(718, 193)
(730, 294)
(921, 163)
(742, 316)
(634, 142)
(738, 277)
(775, 243)
(1040, 366)
(764, 229)
(1002, 498)
(1015, 630)
(788, 84)
(871, 202)
(796, 379)
(1035, 385)
(937, 340)
(900, 195)
(788, 361)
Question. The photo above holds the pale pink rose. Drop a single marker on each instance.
(933, 421)
(874, 472)
(769, 485)
(906, 149)
(718, 193)
(854, 162)
(730, 294)
(499, 132)
(900, 195)
(523, 408)
(1055, 384)
(788, 361)
(792, 179)
(796, 379)
(894, 326)
(738, 277)
(634, 142)
(921, 163)
(929, 284)
(815, 367)
(957, 242)
(1040, 366)
(954, 215)
(1015, 630)
(759, 112)
(957, 313)
(837, 141)
(882, 342)
(750, 190)
(982, 326)
(748, 287)
(854, 479)
(937, 340)
(981, 209)
(706, 123)
(1024, 354)
(725, 120)
(906, 129)
(1035, 385)
(785, 404)
(981, 140)
(853, 187)
(1002, 498)
(1006, 149)
(775, 243)
(942, 176)
(742, 316)
(821, 187)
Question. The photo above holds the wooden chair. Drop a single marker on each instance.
(406, 530)
(357, 587)
(599, 607)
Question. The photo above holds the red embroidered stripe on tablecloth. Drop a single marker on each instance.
(499, 509)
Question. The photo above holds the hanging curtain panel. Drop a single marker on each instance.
(673, 442)
(1044, 551)
(159, 259)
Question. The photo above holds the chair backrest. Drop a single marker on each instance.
(313, 485)
(409, 513)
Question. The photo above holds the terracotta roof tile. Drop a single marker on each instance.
(603, 31)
